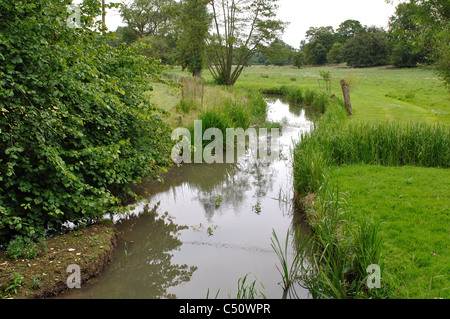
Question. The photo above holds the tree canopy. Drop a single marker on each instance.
(240, 28)
(77, 125)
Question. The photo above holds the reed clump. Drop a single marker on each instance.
(336, 141)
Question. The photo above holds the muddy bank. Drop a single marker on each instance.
(90, 248)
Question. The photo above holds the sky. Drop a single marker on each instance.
(303, 14)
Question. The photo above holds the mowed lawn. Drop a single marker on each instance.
(412, 208)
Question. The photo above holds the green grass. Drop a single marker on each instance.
(378, 94)
(410, 204)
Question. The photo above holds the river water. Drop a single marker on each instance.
(181, 241)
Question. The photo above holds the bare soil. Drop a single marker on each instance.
(90, 248)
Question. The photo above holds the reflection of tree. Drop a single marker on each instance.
(142, 265)
(233, 182)
(297, 108)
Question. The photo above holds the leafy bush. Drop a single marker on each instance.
(76, 122)
(22, 247)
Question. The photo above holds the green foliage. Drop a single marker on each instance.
(335, 54)
(369, 47)
(299, 59)
(422, 26)
(77, 125)
(22, 247)
(194, 23)
(15, 283)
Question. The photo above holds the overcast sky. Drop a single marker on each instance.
(303, 14)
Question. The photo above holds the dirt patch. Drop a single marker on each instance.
(90, 248)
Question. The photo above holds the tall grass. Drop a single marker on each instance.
(342, 249)
(336, 141)
(241, 112)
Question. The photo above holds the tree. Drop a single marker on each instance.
(316, 53)
(402, 27)
(240, 28)
(279, 53)
(77, 126)
(194, 22)
(369, 47)
(320, 42)
(431, 19)
(348, 30)
(322, 35)
(299, 59)
(148, 17)
(335, 54)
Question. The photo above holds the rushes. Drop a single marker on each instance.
(342, 250)
(290, 271)
(335, 141)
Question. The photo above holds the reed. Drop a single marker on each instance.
(336, 141)
(290, 271)
(342, 249)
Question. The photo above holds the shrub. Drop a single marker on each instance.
(22, 247)
(76, 122)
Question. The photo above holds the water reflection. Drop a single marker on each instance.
(142, 264)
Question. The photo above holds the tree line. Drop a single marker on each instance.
(187, 33)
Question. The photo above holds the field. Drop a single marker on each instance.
(378, 93)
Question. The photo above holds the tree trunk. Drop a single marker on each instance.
(346, 93)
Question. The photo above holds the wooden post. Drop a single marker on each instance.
(346, 93)
(203, 90)
(195, 89)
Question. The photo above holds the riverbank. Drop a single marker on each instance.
(46, 275)
(92, 247)
(378, 188)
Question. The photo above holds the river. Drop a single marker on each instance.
(207, 226)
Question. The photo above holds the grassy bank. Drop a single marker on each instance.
(188, 103)
(374, 190)
(410, 205)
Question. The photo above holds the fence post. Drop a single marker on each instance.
(346, 93)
